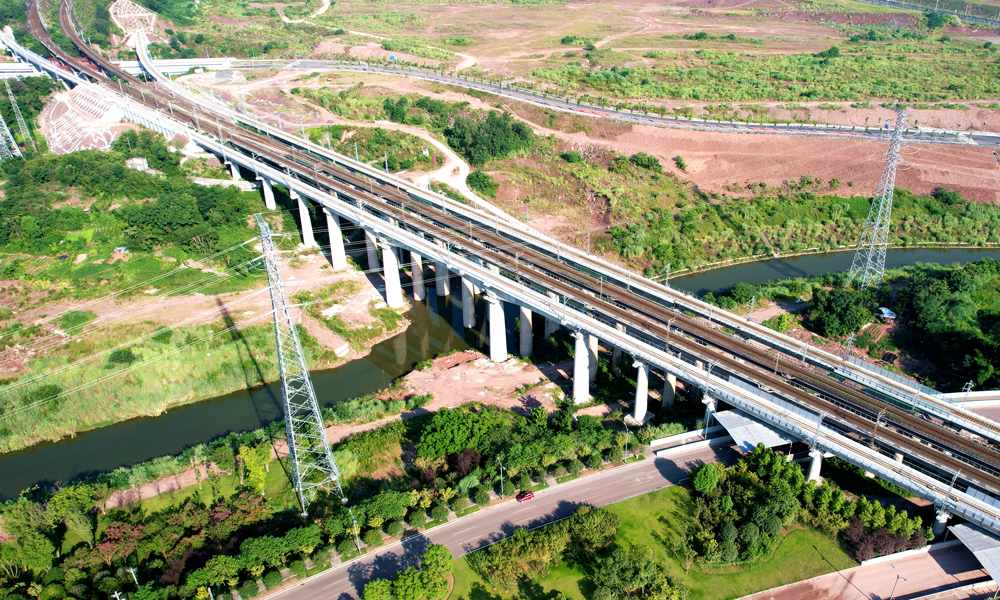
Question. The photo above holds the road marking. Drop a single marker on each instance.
(335, 583)
(466, 529)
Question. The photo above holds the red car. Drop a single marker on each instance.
(525, 495)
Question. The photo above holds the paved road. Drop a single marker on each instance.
(491, 524)
(939, 136)
(924, 574)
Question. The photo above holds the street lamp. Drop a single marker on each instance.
(501, 477)
(898, 577)
(357, 542)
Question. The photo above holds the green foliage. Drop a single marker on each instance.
(839, 312)
(781, 323)
(572, 156)
(417, 519)
(482, 183)
(439, 513)
(298, 568)
(482, 498)
(121, 356)
(706, 478)
(396, 528)
(496, 136)
(272, 579)
(645, 161)
(248, 589)
(936, 20)
(74, 320)
(372, 538)
(680, 162)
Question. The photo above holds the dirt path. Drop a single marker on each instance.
(322, 9)
(453, 380)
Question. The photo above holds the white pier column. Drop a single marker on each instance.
(526, 333)
(308, 239)
(592, 348)
(441, 276)
(641, 392)
(552, 325)
(234, 170)
(393, 291)
(669, 389)
(616, 353)
(581, 377)
(373, 264)
(417, 275)
(710, 407)
(498, 330)
(899, 457)
(338, 257)
(268, 191)
(940, 522)
(815, 464)
(469, 304)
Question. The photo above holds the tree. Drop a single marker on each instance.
(73, 505)
(256, 460)
(593, 528)
(840, 312)
(706, 478)
(220, 569)
(680, 162)
(435, 566)
(260, 553)
(378, 589)
(303, 539)
(482, 183)
(409, 585)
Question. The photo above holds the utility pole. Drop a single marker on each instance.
(356, 152)
(847, 346)
(354, 528)
(967, 388)
(753, 302)
(869, 260)
(501, 477)
(628, 432)
(875, 430)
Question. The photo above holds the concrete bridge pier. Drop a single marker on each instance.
(940, 523)
(469, 305)
(393, 290)
(617, 352)
(417, 276)
(372, 249)
(268, 191)
(527, 340)
(815, 464)
(898, 457)
(552, 325)
(710, 408)
(581, 377)
(308, 239)
(234, 170)
(641, 392)
(338, 256)
(696, 392)
(441, 277)
(498, 329)
(592, 349)
(669, 389)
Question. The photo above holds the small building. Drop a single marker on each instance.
(138, 163)
(886, 314)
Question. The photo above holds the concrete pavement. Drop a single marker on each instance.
(491, 524)
(923, 574)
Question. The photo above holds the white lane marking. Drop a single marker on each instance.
(335, 583)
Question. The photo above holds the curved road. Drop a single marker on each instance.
(920, 135)
(489, 525)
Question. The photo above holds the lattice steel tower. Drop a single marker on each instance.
(20, 120)
(8, 146)
(311, 461)
(869, 260)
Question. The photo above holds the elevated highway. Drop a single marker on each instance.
(565, 286)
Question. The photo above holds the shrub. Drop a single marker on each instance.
(559, 472)
(395, 529)
(728, 532)
(439, 513)
(417, 519)
(482, 498)
(163, 335)
(749, 533)
(482, 183)
(679, 161)
(575, 466)
(373, 538)
(706, 478)
(467, 484)
(772, 525)
(248, 589)
(298, 568)
(524, 481)
(645, 161)
(594, 461)
(508, 489)
(572, 156)
(346, 547)
(272, 579)
(121, 356)
(461, 503)
(730, 551)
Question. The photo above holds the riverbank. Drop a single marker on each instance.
(140, 358)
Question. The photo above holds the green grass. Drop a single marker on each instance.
(653, 520)
(563, 579)
(468, 511)
(568, 478)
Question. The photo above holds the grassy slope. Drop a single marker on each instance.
(652, 520)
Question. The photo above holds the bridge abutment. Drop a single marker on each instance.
(525, 332)
(338, 256)
(498, 329)
(581, 377)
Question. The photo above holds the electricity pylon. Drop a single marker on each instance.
(311, 461)
(8, 146)
(869, 260)
(20, 120)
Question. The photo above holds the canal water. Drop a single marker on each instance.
(436, 327)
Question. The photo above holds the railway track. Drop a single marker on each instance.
(617, 303)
